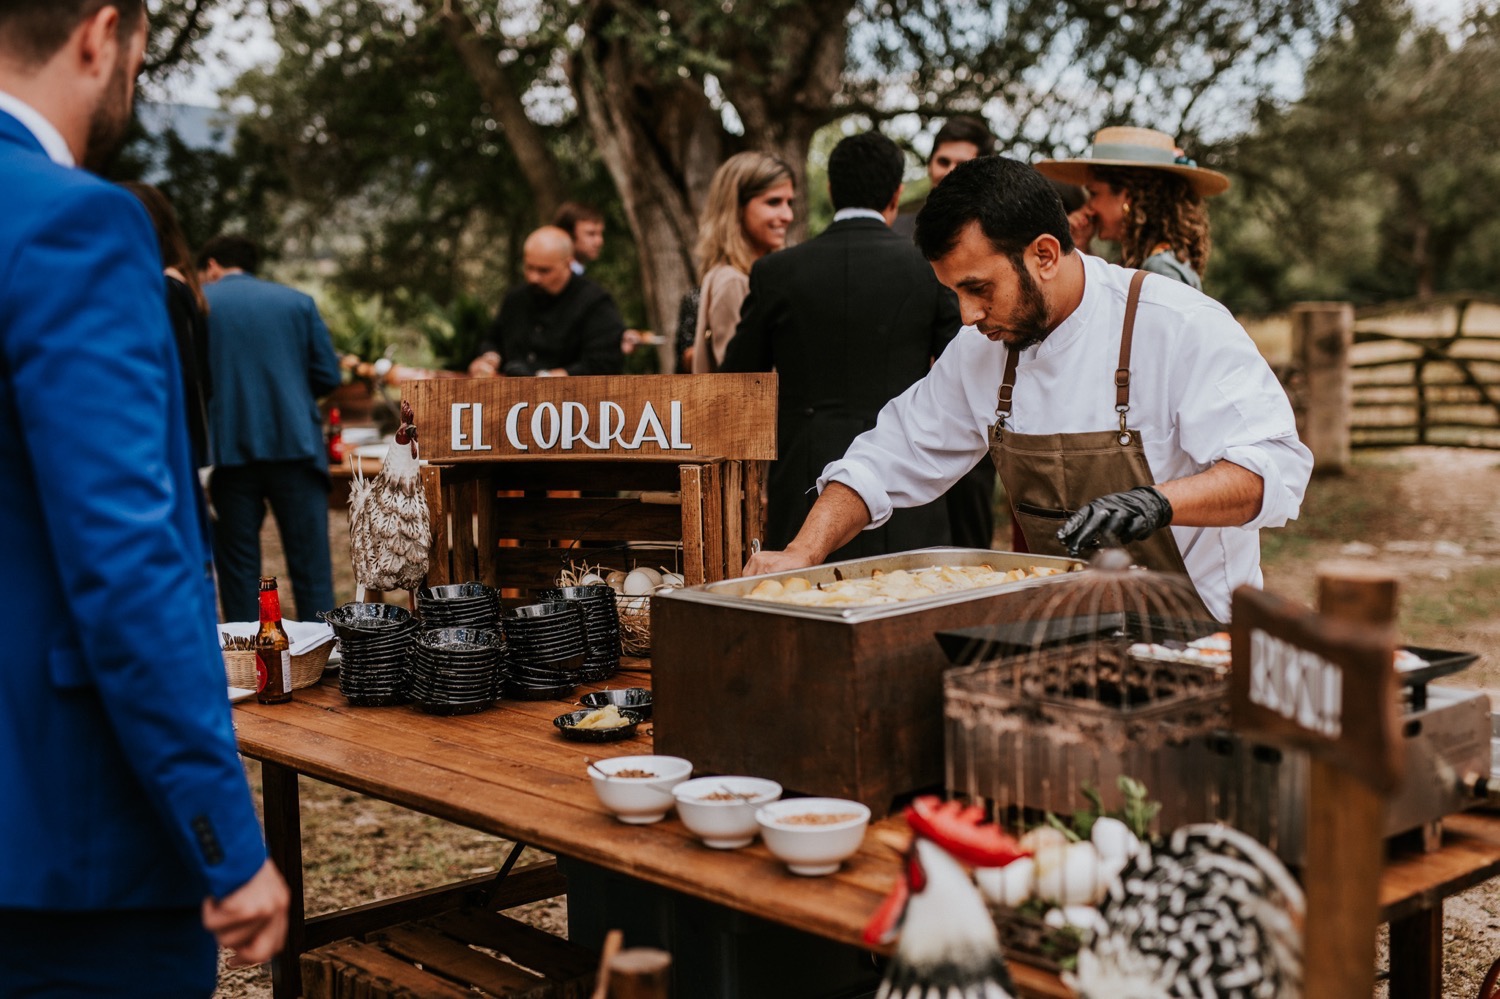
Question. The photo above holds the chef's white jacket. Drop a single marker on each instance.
(1200, 392)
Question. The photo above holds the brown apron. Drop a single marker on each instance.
(1049, 476)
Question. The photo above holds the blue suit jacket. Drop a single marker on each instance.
(271, 357)
(120, 781)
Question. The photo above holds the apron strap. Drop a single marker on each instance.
(1122, 373)
(1007, 387)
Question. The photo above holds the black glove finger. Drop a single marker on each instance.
(1082, 529)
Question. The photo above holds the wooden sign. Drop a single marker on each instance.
(687, 418)
(1309, 681)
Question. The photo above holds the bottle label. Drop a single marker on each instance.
(265, 661)
(286, 672)
(260, 673)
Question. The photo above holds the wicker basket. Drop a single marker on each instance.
(307, 668)
(635, 624)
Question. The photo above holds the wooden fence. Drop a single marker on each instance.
(1427, 373)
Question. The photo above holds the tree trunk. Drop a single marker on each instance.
(521, 133)
(661, 142)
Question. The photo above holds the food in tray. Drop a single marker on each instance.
(1213, 650)
(601, 718)
(899, 585)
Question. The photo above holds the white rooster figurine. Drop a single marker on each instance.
(390, 533)
(948, 946)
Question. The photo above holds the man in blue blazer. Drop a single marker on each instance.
(128, 837)
(271, 357)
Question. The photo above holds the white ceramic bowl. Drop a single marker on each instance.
(639, 800)
(723, 823)
(812, 848)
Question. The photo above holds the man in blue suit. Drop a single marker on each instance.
(127, 830)
(271, 357)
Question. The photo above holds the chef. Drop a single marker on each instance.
(1115, 404)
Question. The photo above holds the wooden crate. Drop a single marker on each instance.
(516, 513)
(451, 955)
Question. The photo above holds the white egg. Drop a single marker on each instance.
(1083, 917)
(1009, 885)
(1114, 840)
(1038, 839)
(649, 572)
(1070, 875)
(673, 579)
(639, 582)
(590, 579)
(616, 581)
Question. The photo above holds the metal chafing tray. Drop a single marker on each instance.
(736, 592)
(842, 701)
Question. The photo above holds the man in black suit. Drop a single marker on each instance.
(848, 320)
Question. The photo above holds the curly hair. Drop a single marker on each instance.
(721, 231)
(1164, 208)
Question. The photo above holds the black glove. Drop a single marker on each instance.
(1118, 518)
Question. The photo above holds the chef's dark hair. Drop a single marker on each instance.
(1012, 203)
(864, 171)
(33, 30)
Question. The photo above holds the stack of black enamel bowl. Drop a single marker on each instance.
(375, 642)
(456, 671)
(601, 626)
(459, 605)
(546, 649)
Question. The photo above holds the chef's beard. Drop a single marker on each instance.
(1027, 324)
(109, 122)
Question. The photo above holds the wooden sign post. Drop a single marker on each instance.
(1326, 683)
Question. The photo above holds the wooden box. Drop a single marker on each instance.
(527, 475)
(847, 703)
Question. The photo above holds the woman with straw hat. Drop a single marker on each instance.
(1145, 195)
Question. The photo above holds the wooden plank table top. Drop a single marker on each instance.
(507, 771)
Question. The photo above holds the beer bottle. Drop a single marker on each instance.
(273, 656)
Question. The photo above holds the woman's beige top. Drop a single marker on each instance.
(724, 292)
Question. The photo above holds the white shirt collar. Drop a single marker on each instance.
(858, 213)
(55, 146)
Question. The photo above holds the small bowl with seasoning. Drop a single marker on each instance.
(721, 810)
(638, 789)
(813, 836)
(606, 724)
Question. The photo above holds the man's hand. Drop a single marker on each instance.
(486, 365)
(1082, 225)
(251, 922)
(763, 562)
(1117, 518)
(552, 373)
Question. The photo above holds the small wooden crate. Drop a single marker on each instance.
(513, 518)
(457, 955)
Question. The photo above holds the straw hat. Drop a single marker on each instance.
(1137, 148)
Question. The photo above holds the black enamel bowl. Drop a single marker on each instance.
(568, 725)
(367, 616)
(457, 591)
(637, 699)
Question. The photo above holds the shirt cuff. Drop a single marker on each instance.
(864, 482)
(1280, 501)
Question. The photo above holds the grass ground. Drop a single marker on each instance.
(1432, 514)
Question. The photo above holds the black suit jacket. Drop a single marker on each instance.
(848, 320)
(578, 329)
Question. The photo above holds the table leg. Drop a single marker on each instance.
(1417, 955)
(283, 810)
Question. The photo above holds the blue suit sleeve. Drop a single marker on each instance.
(90, 366)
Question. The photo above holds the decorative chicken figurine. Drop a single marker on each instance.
(1210, 914)
(390, 534)
(948, 944)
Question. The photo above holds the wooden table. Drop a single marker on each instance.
(506, 772)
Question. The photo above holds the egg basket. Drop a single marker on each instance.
(307, 668)
(634, 609)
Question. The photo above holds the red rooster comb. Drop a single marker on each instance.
(962, 831)
(407, 432)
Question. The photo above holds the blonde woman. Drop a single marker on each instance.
(1145, 195)
(748, 212)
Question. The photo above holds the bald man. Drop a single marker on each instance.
(557, 323)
